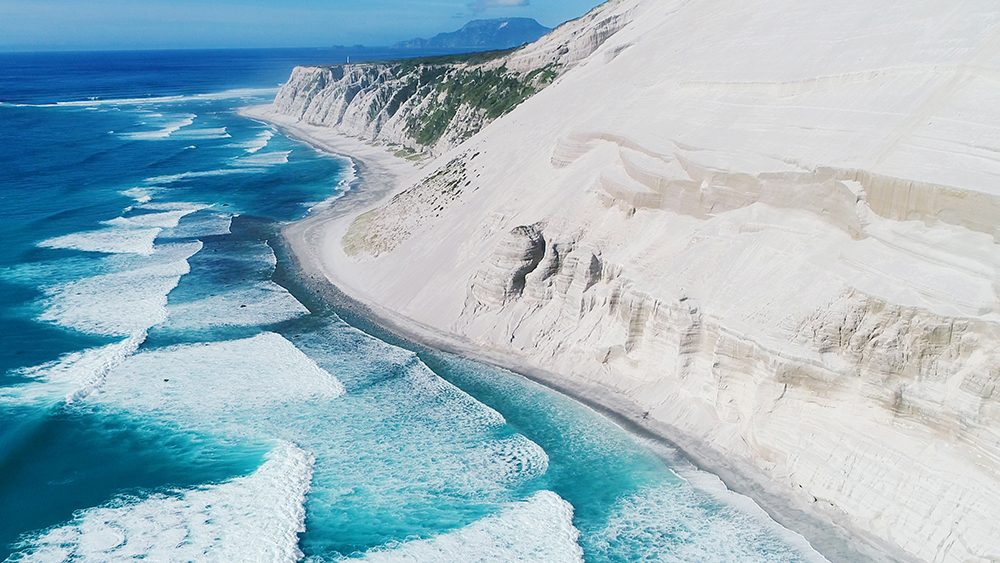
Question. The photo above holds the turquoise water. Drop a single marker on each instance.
(163, 398)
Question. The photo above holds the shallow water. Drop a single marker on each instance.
(163, 397)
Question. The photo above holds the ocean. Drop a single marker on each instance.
(164, 398)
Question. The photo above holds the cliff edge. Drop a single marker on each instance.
(421, 107)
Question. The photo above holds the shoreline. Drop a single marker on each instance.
(323, 276)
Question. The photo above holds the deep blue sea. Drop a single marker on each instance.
(163, 398)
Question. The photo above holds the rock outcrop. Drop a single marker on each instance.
(503, 278)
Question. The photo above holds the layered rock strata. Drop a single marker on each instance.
(772, 226)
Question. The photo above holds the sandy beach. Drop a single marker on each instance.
(329, 275)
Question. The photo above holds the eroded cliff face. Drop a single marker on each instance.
(879, 414)
(730, 326)
(429, 106)
(418, 107)
(764, 227)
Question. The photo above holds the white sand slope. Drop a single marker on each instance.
(773, 225)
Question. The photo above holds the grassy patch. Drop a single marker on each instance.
(441, 86)
(382, 230)
(408, 154)
(493, 91)
(356, 240)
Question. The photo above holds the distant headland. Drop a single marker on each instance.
(503, 33)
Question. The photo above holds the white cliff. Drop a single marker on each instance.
(773, 225)
(428, 106)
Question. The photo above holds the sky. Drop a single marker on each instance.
(28, 25)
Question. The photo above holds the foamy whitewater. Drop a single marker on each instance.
(168, 393)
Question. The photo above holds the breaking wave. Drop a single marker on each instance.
(252, 518)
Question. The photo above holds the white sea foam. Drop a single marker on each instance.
(253, 518)
(262, 303)
(750, 512)
(164, 220)
(53, 272)
(140, 195)
(200, 134)
(371, 362)
(538, 529)
(125, 302)
(73, 376)
(90, 104)
(200, 226)
(169, 179)
(173, 206)
(325, 204)
(163, 254)
(115, 304)
(676, 524)
(231, 382)
(409, 416)
(346, 179)
(243, 257)
(264, 254)
(262, 159)
(514, 459)
(164, 132)
(361, 359)
(110, 241)
(463, 411)
(489, 467)
(265, 386)
(257, 143)
(378, 441)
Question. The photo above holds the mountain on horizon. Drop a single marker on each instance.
(502, 33)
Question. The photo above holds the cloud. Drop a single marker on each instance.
(483, 5)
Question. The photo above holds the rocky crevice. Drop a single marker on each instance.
(908, 376)
(503, 277)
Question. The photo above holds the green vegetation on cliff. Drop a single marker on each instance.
(453, 95)
(490, 92)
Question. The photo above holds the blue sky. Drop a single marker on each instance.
(167, 24)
